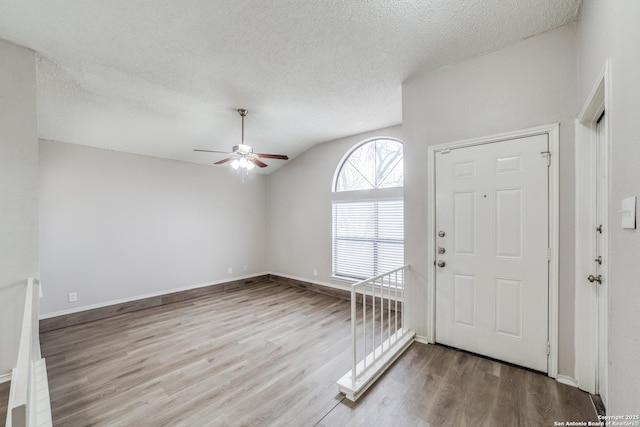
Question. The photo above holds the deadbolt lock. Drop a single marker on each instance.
(441, 250)
(441, 233)
(593, 278)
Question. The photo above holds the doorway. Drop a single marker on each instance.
(592, 240)
(493, 247)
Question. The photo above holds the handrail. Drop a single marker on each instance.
(384, 294)
(379, 276)
(21, 392)
(369, 359)
(20, 381)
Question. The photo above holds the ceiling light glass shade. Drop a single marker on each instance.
(250, 166)
(243, 162)
(235, 164)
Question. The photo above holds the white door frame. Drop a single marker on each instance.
(588, 336)
(553, 131)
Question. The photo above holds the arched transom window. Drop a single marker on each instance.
(368, 210)
(374, 164)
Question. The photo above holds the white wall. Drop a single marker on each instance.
(609, 29)
(300, 195)
(118, 226)
(530, 83)
(18, 192)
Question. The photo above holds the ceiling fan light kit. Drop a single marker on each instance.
(242, 163)
(242, 155)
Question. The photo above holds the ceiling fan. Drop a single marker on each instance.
(242, 155)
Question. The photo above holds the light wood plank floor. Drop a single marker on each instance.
(270, 354)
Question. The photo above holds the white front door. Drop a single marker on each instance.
(492, 240)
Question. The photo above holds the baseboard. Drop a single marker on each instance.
(564, 379)
(319, 287)
(80, 315)
(345, 287)
(324, 288)
(598, 405)
(5, 378)
(421, 339)
(63, 319)
(146, 296)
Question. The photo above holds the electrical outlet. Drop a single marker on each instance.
(230, 270)
(73, 297)
(315, 272)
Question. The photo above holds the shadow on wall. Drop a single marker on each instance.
(11, 308)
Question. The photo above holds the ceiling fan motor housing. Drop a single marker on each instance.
(242, 149)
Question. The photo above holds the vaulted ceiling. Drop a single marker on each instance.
(159, 77)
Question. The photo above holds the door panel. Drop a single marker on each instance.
(508, 225)
(464, 224)
(464, 300)
(492, 292)
(509, 307)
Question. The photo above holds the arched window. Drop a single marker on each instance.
(368, 210)
(373, 164)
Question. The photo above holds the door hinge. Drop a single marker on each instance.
(547, 154)
(548, 348)
(548, 254)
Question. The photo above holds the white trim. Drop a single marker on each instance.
(587, 339)
(596, 100)
(585, 298)
(554, 244)
(564, 379)
(370, 195)
(505, 136)
(553, 131)
(334, 182)
(144, 296)
(431, 230)
(328, 285)
(5, 378)
(421, 339)
(345, 280)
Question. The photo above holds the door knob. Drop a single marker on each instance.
(441, 250)
(593, 278)
(441, 264)
(441, 233)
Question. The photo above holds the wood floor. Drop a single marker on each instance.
(271, 354)
(439, 386)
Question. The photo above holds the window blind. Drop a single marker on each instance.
(368, 238)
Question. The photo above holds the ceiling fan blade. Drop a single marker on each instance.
(273, 156)
(211, 151)
(259, 163)
(228, 159)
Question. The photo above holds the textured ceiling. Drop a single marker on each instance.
(160, 77)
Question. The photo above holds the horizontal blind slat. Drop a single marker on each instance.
(368, 237)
